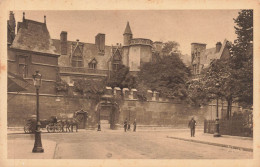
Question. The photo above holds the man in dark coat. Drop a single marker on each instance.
(192, 125)
(134, 125)
(125, 124)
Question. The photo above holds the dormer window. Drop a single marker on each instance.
(77, 55)
(92, 64)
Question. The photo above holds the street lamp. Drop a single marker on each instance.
(99, 126)
(37, 81)
(217, 134)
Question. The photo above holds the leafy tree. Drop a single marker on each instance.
(234, 76)
(92, 89)
(167, 76)
(62, 86)
(169, 47)
(242, 59)
(122, 78)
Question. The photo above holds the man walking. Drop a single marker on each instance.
(134, 125)
(192, 125)
(125, 124)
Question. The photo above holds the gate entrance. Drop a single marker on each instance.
(107, 112)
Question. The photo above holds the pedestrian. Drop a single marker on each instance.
(192, 125)
(134, 125)
(125, 124)
(128, 126)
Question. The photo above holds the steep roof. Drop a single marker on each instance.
(33, 36)
(89, 52)
(128, 29)
(210, 54)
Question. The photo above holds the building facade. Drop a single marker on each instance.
(30, 50)
(202, 57)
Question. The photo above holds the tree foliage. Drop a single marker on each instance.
(235, 75)
(121, 78)
(90, 88)
(167, 76)
(242, 59)
(169, 47)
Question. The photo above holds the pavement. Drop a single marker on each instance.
(234, 142)
(22, 149)
(26, 143)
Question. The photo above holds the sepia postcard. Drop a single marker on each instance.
(129, 83)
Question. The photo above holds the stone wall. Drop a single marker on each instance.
(21, 106)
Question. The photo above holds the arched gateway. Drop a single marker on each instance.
(108, 109)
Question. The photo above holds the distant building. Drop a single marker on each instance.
(202, 57)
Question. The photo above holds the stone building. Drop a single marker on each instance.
(95, 60)
(31, 49)
(202, 57)
(82, 60)
(135, 50)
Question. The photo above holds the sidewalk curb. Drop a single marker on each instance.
(214, 144)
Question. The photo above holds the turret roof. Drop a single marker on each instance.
(128, 29)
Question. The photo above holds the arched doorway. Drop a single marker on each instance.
(107, 109)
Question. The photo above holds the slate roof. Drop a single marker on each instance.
(128, 29)
(90, 51)
(33, 36)
(210, 54)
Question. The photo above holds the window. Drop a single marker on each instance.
(77, 58)
(115, 66)
(92, 64)
(22, 66)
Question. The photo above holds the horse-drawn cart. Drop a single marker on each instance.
(62, 123)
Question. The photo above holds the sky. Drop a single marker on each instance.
(182, 26)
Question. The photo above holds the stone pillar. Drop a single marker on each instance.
(149, 95)
(126, 93)
(117, 91)
(156, 95)
(134, 93)
(109, 91)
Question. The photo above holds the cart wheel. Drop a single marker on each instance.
(27, 129)
(58, 128)
(50, 129)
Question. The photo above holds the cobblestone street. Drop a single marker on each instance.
(143, 144)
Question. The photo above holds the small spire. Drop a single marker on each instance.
(23, 16)
(128, 29)
(44, 19)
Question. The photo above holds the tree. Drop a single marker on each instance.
(169, 47)
(235, 75)
(122, 78)
(167, 76)
(242, 58)
(92, 89)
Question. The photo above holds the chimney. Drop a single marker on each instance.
(218, 46)
(63, 43)
(100, 42)
(23, 16)
(44, 19)
(11, 29)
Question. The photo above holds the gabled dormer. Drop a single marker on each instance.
(77, 54)
(93, 64)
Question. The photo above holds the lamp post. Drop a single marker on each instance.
(37, 81)
(99, 126)
(217, 134)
